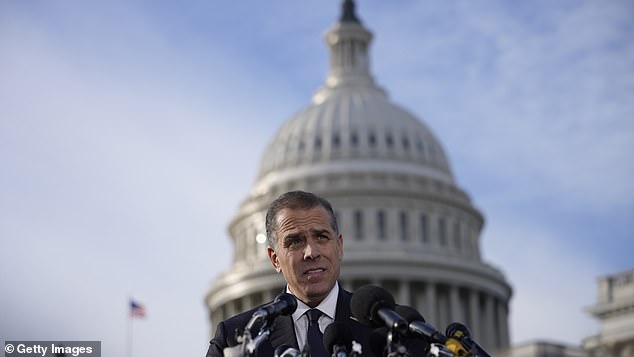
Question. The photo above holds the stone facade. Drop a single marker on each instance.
(615, 310)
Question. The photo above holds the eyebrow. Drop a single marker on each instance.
(297, 235)
(320, 231)
(292, 236)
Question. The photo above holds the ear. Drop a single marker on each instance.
(274, 260)
(340, 246)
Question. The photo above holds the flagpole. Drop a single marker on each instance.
(129, 334)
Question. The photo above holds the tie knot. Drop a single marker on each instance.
(314, 315)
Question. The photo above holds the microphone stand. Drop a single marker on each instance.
(394, 347)
(249, 344)
(439, 350)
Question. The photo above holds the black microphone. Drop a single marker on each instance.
(284, 304)
(374, 306)
(378, 341)
(418, 327)
(461, 333)
(286, 351)
(338, 339)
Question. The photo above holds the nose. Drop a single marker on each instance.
(311, 251)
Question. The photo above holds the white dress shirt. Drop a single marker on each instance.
(328, 306)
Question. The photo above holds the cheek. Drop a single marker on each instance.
(291, 261)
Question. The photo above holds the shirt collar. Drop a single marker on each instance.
(328, 305)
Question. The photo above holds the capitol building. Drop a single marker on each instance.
(407, 225)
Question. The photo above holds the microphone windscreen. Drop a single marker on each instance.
(367, 300)
(457, 330)
(409, 313)
(338, 333)
(290, 303)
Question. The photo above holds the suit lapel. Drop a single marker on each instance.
(343, 313)
(360, 333)
(283, 332)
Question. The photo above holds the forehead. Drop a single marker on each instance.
(297, 219)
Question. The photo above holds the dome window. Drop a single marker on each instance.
(423, 229)
(405, 143)
(389, 141)
(358, 225)
(372, 140)
(317, 143)
(336, 141)
(380, 225)
(432, 150)
(354, 139)
(467, 241)
(456, 236)
(442, 231)
(420, 146)
(403, 225)
(301, 146)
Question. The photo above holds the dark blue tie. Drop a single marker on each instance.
(314, 336)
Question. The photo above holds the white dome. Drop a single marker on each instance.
(351, 124)
(359, 125)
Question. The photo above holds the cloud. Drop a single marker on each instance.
(538, 101)
(551, 107)
(117, 182)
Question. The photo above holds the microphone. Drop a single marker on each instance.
(338, 339)
(460, 332)
(418, 327)
(378, 341)
(374, 306)
(283, 304)
(286, 351)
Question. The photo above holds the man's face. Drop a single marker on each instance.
(308, 253)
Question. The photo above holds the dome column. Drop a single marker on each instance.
(454, 304)
(404, 293)
(432, 306)
(488, 330)
(247, 302)
(502, 314)
(474, 312)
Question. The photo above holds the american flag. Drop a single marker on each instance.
(136, 309)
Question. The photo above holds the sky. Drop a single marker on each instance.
(131, 131)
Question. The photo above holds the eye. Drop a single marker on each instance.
(323, 237)
(292, 242)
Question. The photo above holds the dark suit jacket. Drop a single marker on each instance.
(283, 330)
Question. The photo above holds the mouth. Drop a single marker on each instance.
(314, 271)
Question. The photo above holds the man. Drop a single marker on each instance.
(304, 244)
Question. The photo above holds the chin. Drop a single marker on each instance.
(320, 289)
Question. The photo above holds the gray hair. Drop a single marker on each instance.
(295, 200)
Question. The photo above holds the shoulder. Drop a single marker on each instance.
(343, 304)
(227, 332)
(345, 294)
(361, 333)
(228, 329)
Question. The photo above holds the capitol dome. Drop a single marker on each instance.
(357, 125)
(406, 224)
